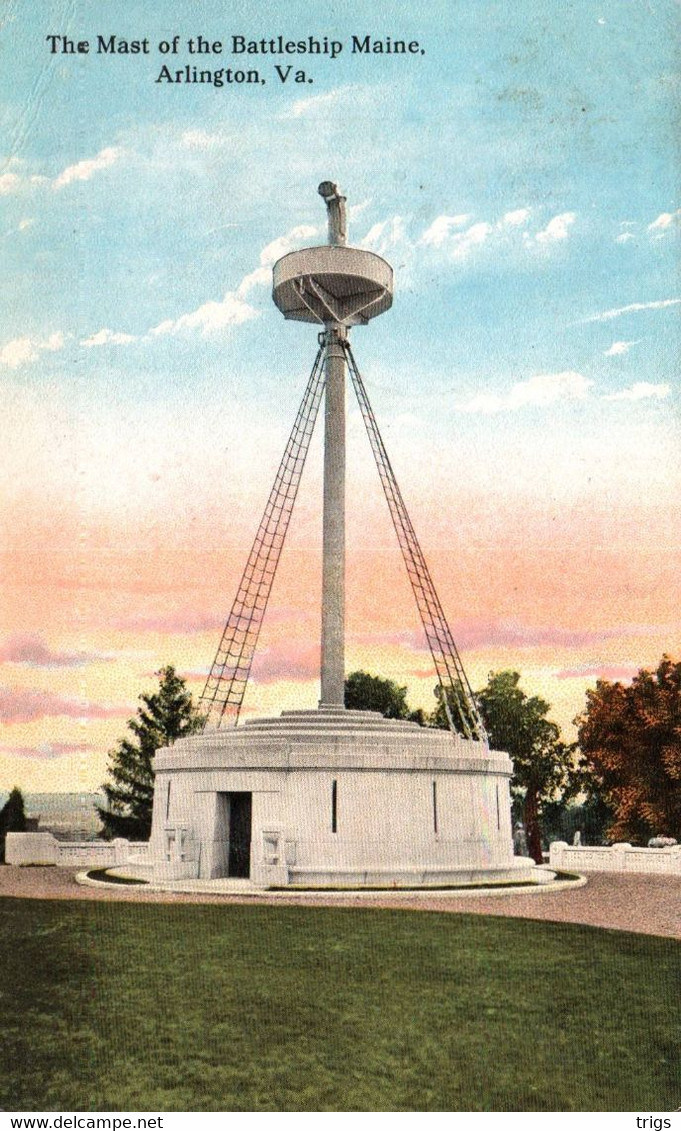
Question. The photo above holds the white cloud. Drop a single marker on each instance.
(304, 106)
(210, 318)
(632, 308)
(666, 222)
(107, 337)
(16, 177)
(517, 218)
(23, 351)
(54, 342)
(328, 106)
(618, 348)
(557, 229)
(474, 236)
(355, 210)
(84, 170)
(18, 352)
(375, 232)
(24, 225)
(386, 235)
(445, 233)
(201, 139)
(642, 390)
(458, 238)
(283, 244)
(663, 225)
(260, 277)
(442, 227)
(213, 317)
(9, 183)
(544, 389)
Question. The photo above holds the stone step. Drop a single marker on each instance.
(330, 720)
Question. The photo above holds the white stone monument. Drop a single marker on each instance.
(332, 797)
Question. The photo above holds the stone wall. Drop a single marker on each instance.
(618, 858)
(44, 848)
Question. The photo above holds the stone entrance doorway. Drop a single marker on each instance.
(239, 852)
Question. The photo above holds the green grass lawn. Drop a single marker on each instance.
(109, 1006)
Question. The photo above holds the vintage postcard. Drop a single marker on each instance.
(339, 358)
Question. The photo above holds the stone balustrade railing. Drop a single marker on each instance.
(617, 858)
(44, 848)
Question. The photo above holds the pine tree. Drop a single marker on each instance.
(12, 818)
(166, 715)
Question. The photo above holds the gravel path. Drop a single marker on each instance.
(649, 905)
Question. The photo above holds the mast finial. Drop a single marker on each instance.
(335, 207)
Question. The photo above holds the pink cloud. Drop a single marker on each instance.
(287, 661)
(46, 750)
(482, 633)
(179, 622)
(413, 640)
(193, 676)
(288, 614)
(512, 634)
(602, 671)
(26, 705)
(197, 675)
(29, 648)
(188, 621)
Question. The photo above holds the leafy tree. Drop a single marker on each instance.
(366, 692)
(542, 762)
(418, 716)
(12, 818)
(562, 818)
(456, 699)
(166, 715)
(630, 742)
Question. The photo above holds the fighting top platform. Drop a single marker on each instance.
(333, 284)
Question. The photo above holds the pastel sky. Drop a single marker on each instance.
(521, 175)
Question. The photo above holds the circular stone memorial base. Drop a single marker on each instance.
(334, 799)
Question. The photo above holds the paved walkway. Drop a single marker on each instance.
(649, 905)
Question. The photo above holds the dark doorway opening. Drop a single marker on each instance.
(240, 809)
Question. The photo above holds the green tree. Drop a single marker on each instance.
(165, 715)
(366, 692)
(12, 818)
(457, 699)
(630, 743)
(562, 818)
(542, 762)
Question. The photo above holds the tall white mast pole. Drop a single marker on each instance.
(333, 564)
